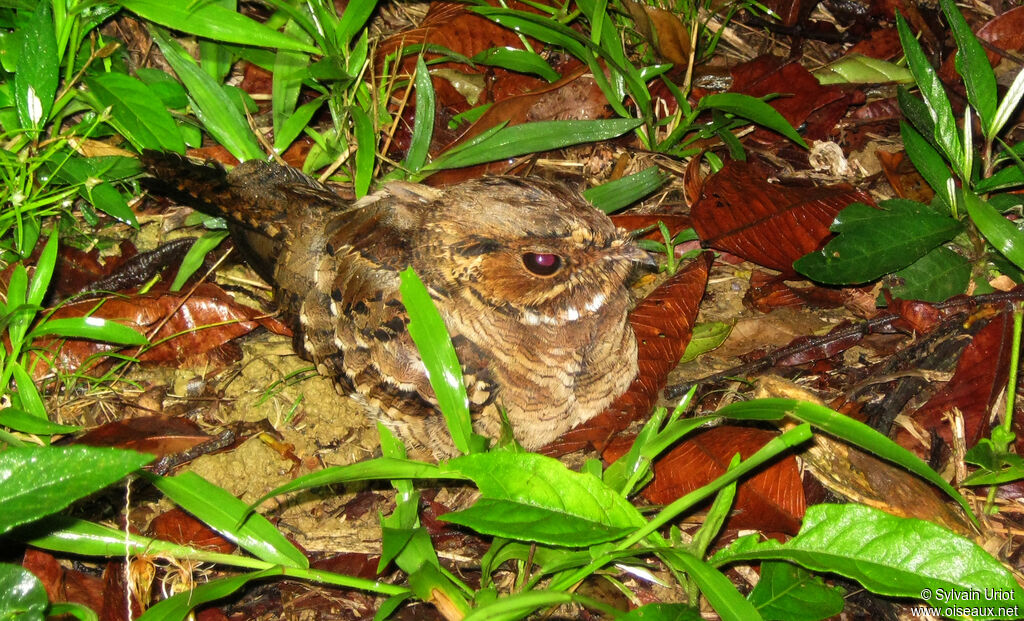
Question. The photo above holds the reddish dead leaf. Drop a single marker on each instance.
(663, 30)
(976, 385)
(77, 269)
(767, 223)
(663, 324)
(904, 178)
(157, 435)
(179, 527)
(915, 316)
(64, 585)
(772, 500)
(787, 10)
(1003, 32)
(198, 324)
(768, 292)
(824, 348)
(878, 110)
(801, 92)
(883, 44)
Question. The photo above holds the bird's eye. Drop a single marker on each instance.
(542, 263)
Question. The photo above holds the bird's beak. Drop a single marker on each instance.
(636, 254)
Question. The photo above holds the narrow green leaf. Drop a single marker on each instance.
(998, 231)
(213, 21)
(231, 518)
(293, 125)
(109, 200)
(28, 394)
(719, 590)
(521, 520)
(973, 66)
(366, 152)
(20, 420)
(935, 277)
(1009, 103)
(428, 331)
(212, 105)
(874, 242)
(171, 93)
(423, 123)
(38, 481)
(947, 136)
(178, 607)
(353, 19)
(752, 109)
(928, 162)
(530, 138)
(288, 73)
(44, 271)
(846, 429)
(895, 557)
(514, 59)
(615, 195)
(195, 256)
(663, 612)
(36, 74)
(22, 595)
(95, 328)
(790, 593)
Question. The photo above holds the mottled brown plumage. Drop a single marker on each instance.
(530, 281)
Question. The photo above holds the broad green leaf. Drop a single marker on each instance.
(928, 162)
(23, 421)
(193, 259)
(178, 607)
(423, 123)
(892, 556)
(705, 337)
(530, 138)
(860, 69)
(1007, 177)
(231, 518)
(946, 134)
(95, 328)
(973, 66)
(846, 429)
(163, 85)
(514, 59)
(212, 105)
(752, 109)
(22, 595)
(428, 332)
(998, 231)
(213, 21)
(935, 277)
(109, 200)
(790, 593)
(38, 66)
(38, 481)
(551, 500)
(617, 194)
(874, 242)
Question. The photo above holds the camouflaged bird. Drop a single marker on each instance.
(529, 279)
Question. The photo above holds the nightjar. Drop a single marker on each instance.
(529, 279)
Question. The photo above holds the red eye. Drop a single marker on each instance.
(542, 263)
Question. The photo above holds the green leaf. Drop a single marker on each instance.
(231, 518)
(617, 194)
(213, 21)
(38, 481)
(366, 151)
(178, 607)
(20, 420)
(928, 162)
(294, 124)
(935, 277)
(109, 200)
(790, 593)
(95, 328)
(171, 93)
(136, 112)
(752, 109)
(530, 138)
(663, 612)
(719, 590)
(514, 59)
(353, 19)
(288, 73)
(1009, 103)
(875, 242)
(705, 337)
(423, 122)
(846, 429)
(973, 66)
(947, 136)
(860, 69)
(892, 556)
(196, 255)
(36, 75)
(28, 395)
(539, 499)
(998, 231)
(22, 595)
(212, 105)
(44, 272)
(428, 332)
